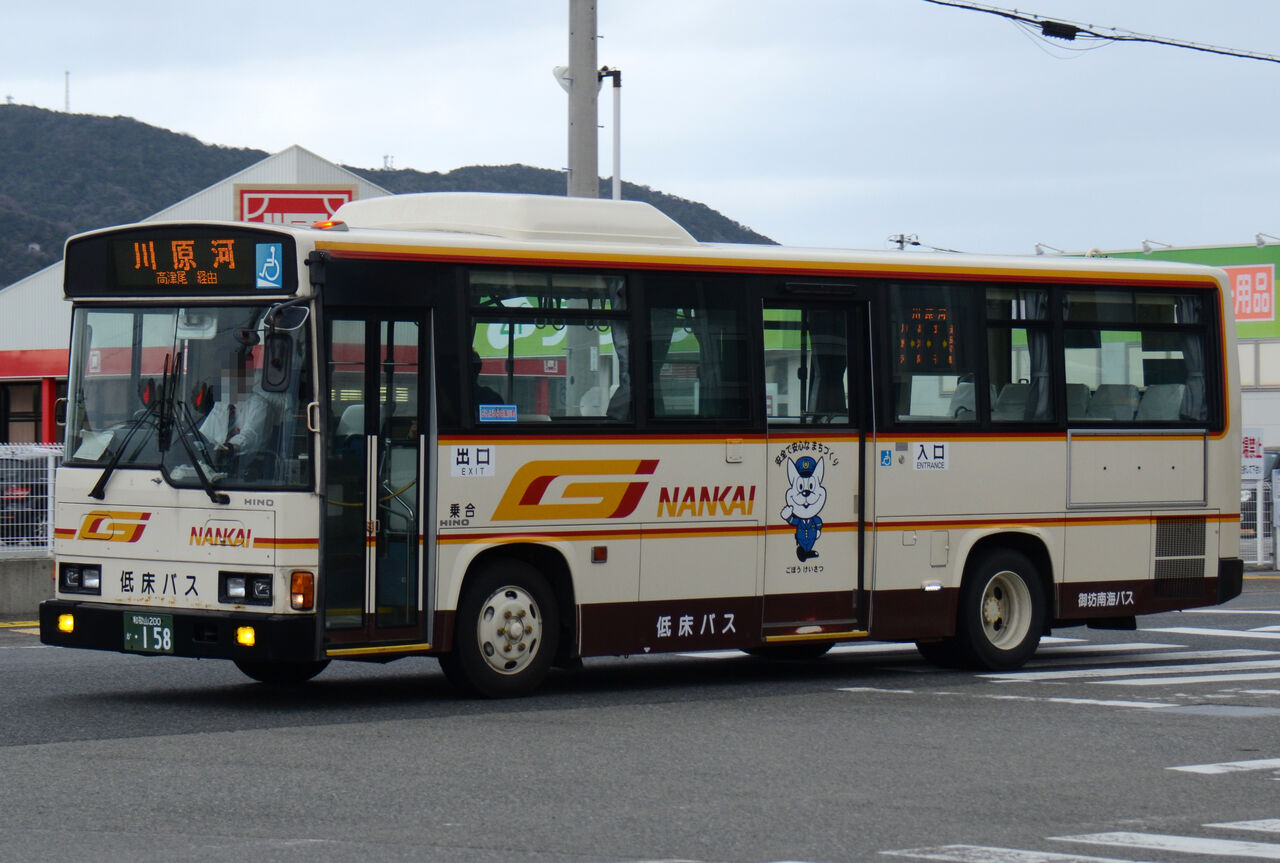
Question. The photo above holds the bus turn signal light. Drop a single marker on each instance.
(66, 623)
(302, 591)
(245, 636)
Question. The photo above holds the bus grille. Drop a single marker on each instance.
(1179, 571)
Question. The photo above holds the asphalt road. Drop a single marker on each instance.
(1132, 746)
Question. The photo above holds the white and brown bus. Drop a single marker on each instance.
(515, 431)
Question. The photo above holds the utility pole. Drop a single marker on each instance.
(583, 85)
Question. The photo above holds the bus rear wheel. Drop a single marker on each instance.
(507, 632)
(281, 673)
(1002, 611)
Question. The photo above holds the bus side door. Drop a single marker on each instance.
(373, 567)
(815, 362)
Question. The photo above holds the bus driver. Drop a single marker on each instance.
(240, 419)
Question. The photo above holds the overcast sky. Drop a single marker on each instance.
(815, 122)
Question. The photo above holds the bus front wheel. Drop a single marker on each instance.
(506, 634)
(1002, 611)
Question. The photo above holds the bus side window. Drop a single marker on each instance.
(806, 365)
(1018, 354)
(697, 350)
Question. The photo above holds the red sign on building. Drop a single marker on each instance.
(290, 205)
(1253, 292)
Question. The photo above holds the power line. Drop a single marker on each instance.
(1070, 31)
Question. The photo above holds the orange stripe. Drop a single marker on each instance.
(864, 268)
(287, 543)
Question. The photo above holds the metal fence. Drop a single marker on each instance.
(26, 498)
(1257, 524)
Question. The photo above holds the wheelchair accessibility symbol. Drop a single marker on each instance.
(886, 458)
(270, 268)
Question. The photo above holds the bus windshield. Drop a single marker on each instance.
(211, 396)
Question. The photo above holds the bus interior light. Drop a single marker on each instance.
(245, 636)
(66, 623)
(302, 590)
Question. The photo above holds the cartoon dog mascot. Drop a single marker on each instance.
(805, 500)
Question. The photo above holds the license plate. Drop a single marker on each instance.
(148, 633)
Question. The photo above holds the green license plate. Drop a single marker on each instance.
(148, 633)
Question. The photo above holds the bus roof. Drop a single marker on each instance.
(518, 217)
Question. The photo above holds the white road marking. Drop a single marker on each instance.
(1042, 699)
(988, 854)
(1086, 673)
(1271, 611)
(1231, 633)
(1265, 825)
(1183, 844)
(1191, 678)
(1097, 702)
(1231, 766)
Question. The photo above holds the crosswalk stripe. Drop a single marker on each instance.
(1199, 630)
(1183, 844)
(1086, 673)
(1191, 678)
(1231, 766)
(989, 854)
(1265, 825)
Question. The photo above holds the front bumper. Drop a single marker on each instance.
(199, 634)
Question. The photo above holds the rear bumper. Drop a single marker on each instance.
(1230, 578)
(203, 635)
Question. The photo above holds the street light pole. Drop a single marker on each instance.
(616, 75)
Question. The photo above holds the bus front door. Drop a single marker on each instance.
(815, 361)
(372, 573)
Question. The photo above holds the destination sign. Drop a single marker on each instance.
(927, 340)
(200, 259)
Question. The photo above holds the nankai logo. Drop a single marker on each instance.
(705, 500)
(113, 525)
(553, 489)
(226, 534)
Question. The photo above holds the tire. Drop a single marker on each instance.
(281, 673)
(507, 632)
(944, 653)
(1002, 611)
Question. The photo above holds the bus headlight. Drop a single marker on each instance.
(250, 588)
(80, 578)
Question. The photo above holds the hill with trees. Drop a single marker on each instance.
(65, 173)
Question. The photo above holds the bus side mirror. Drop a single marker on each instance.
(60, 412)
(277, 363)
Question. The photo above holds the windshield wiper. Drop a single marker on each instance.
(99, 489)
(173, 413)
(187, 425)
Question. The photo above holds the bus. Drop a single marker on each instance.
(516, 431)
